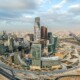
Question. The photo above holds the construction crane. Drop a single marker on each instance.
(74, 36)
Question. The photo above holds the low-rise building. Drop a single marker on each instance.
(48, 62)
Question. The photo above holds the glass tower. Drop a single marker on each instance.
(37, 33)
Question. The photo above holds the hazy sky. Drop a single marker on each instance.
(18, 15)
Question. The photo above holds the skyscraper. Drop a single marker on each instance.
(49, 35)
(43, 32)
(53, 44)
(36, 51)
(36, 54)
(37, 34)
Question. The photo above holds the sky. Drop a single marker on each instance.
(19, 15)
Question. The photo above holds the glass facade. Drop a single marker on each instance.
(36, 51)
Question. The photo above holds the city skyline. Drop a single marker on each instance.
(19, 15)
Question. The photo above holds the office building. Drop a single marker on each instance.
(36, 51)
(50, 48)
(2, 49)
(43, 32)
(49, 35)
(55, 39)
(36, 54)
(43, 43)
(31, 37)
(37, 31)
(10, 44)
(52, 44)
(48, 62)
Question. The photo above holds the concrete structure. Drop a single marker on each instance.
(37, 34)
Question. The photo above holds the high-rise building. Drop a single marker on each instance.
(36, 51)
(55, 41)
(49, 35)
(37, 33)
(36, 54)
(10, 44)
(50, 48)
(53, 44)
(43, 32)
(43, 43)
(2, 49)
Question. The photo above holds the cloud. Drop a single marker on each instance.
(75, 6)
(75, 9)
(58, 17)
(22, 12)
(11, 4)
(17, 4)
(59, 5)
(21, 4)
(16, 8)
(13, 10)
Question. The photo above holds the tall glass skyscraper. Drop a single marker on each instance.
(37, 33)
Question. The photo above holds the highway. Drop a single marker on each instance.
(61, 77)
(34, 72)
(13, 72)
(7, 75)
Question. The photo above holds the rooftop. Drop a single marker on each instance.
(49, 58)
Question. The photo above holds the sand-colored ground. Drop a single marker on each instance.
(3, 78)
(70, 78)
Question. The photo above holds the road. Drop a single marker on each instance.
(61, 77)
(7, 75)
